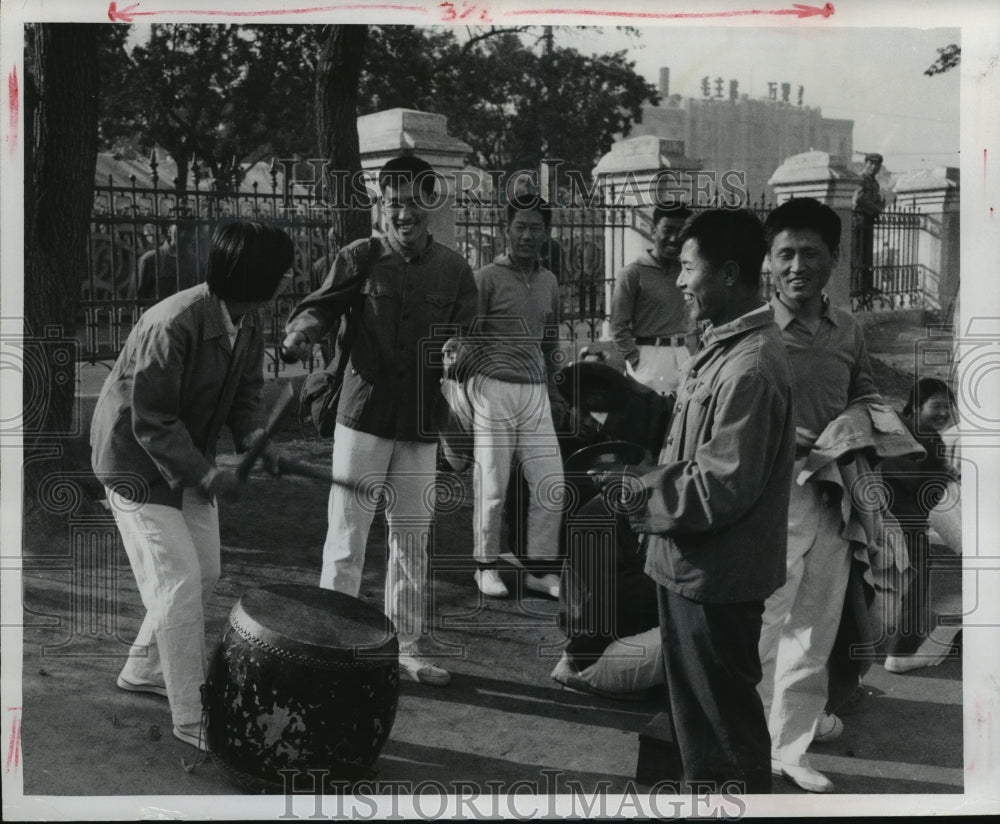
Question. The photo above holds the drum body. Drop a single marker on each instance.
(303, 679)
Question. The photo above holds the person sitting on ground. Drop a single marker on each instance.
(915, 492)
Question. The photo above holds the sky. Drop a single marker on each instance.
(873, 76)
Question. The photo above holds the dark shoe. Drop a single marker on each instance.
(191, 734)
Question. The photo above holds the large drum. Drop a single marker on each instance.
(303, 679)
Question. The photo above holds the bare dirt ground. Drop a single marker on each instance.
(501, 720)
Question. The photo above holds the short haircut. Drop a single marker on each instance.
(408, 168)
(729, 234)
(804, 213)
(926, 388)
(677, 211)
(873, 157)
(530, 203)
(247, 261)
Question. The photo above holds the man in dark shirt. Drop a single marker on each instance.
(416, 293)
(714, 510)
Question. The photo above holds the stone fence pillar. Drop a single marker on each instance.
(935, 193)
(384, 135)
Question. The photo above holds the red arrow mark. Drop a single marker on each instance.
(13, 106)
(127, 14)
(798, 9)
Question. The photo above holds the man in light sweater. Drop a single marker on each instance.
(649, 321)
(510, 383)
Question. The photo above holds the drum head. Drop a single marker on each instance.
(318, 623)
(593, 385)
(600, 455)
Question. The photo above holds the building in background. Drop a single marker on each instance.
(726, 129)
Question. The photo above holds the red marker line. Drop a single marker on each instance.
(126, 15)
(798, 9)
(14, 749)
(13, 106)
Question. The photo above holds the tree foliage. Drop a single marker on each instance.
(232, 95)
(511, 94)
(225, 95)
(948, 57)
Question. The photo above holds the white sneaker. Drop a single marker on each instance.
(828, 728)
(490, 583)
(547, 584)
(810, 780)
(416, 668)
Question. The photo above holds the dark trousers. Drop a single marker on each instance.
(914, 622)
(712, 671)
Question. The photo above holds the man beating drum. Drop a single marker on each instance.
(193, 362)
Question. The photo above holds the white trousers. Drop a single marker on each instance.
(800, 622)
(659, 367)
(628, 664)
(406, 471)
(514, 420)
(174, 555)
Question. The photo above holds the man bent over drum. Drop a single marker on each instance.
(192, 363)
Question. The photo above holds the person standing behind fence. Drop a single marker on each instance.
(510, 366)
(868, 203)
(649, 321)
(159, 274)
(415, 293)
(193, 362)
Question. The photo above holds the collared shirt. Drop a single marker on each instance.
(716, 509)
(410, 305)
(517, 327)
(646, 303)
(830, 368)
(153, 417)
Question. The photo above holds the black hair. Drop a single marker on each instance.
(729, 234)
(926, 388)
(674, 211)
(530, 203)
(408, 168)
(247, 260)
(804, 213)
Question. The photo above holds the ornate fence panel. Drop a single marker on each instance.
(886, 268)
(165, 234)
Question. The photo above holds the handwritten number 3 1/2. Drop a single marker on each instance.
(464, 12)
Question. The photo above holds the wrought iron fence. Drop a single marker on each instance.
(886, 271)
(148, 242)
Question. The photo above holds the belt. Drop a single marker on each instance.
(669, 340)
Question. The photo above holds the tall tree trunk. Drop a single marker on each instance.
(60, 160)
(337, 75)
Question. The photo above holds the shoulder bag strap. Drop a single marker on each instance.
(353, 313)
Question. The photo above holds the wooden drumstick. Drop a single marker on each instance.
(293, 466)
(258, 447)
